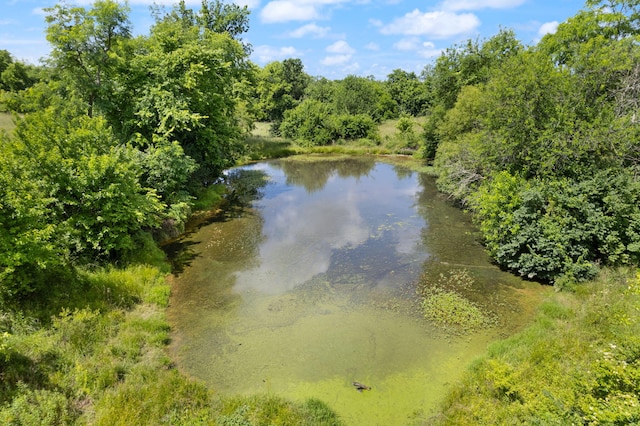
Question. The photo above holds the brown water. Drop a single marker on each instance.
(313, 285)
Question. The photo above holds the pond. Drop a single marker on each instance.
(309, 280)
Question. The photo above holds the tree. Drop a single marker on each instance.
(71, 195)
(320, 89)
(408, 92)
(17, 76)
(468, 64)
(85, 44)
(309, 123)
(179, 85)
(359, 95)
(280, 87)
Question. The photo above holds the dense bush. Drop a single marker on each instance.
(314, 123)
(549, 229)
(351, 127)
(308, 123)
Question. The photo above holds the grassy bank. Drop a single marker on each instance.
(578, 363)
(261, 145)
(102, 360)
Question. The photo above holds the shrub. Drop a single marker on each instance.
(563, 228)
(350, 127)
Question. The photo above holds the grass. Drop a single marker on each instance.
(388, 128)
(6, 122)
(261, 145)
(106, 364)
(578, 363)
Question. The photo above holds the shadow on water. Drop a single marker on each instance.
(310, 283)
(244, 187)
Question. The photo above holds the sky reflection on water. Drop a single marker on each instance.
(304, 230)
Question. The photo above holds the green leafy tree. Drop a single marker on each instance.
(320, 89)
(226, 18)
(96, 199)
(86, 44)
(406, 89)
(180, 85)
(280, 87)
(71, 195)
(359, 95)
(5, 60)
(31, 253)
(310, 123)
(17, 76)
(561, 228)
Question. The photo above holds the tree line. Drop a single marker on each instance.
(116, 134)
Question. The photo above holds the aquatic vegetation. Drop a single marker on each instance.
(445, 305)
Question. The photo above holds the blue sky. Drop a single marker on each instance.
(334, 38)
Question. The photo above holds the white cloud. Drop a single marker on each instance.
(336, 60)
(456, 5)
(292, 10)
(310, 29)
(548, 28)
(264, 53)
(409, 43)
(284, 10)
(372, 46)
(437, 24)
(425, 49)
(428, 50)
(341, 47)
(251, 4)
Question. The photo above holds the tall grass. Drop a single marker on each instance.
(106, 363)
(578, 363)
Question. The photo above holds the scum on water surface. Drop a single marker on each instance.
(312, 283)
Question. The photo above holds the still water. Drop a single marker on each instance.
(310, 284)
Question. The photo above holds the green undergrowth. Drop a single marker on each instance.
(104, 362)
(578, 363)
(260, 145)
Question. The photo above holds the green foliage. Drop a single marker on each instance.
(14, 75)
(96, 196)
(183, 81)
(408, 92)
(313, 123)
(109, 366)
(280, 87)
(17, 76)
(352, 127)
(468, 64)
(358, 95)
(167, 169)
(577, 364)
(86, 44)
(310, 123)
(39, 408)
(71, 195)
(268, 409)
(560, 228)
